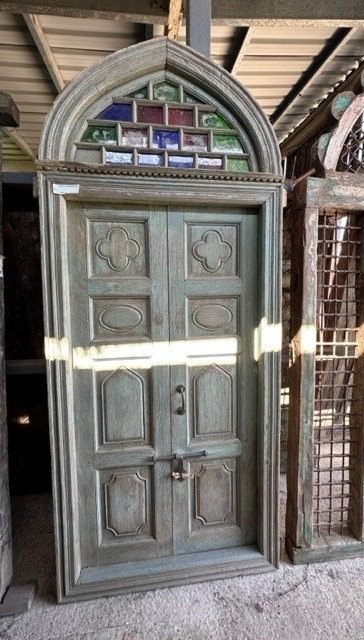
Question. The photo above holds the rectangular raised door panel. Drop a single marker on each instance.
(157, 298)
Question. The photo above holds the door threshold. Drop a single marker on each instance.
(111, 580)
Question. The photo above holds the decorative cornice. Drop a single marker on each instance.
(156, 172)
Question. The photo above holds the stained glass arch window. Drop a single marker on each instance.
(162, 124)
(160, 104)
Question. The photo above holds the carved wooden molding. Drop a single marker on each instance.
(157, 172)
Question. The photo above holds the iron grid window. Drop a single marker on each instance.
(338, 373)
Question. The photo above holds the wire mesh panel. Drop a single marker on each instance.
(336, 438)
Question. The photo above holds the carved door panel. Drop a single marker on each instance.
(157, 299)
(212, 284)
(118, 306)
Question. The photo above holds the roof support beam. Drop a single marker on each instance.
(174, 18)
(40, 40)
(329, 51)
(198, 25)
(246, 36)
(234, 12)
(20, 142)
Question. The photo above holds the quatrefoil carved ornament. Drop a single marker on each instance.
(212, 251)
(118, 248)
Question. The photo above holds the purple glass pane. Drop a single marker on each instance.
(150, 114)
(135, 137)
(116, 111)
(210, 163)
(180, 117)
(150, 159)
(195, 141)
(165, 139)
(182, 162)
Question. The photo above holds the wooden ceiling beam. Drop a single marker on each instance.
(41, 42)
(247, 34)
(327, 53)
(20, 142)
(174, 18)
(228, 12)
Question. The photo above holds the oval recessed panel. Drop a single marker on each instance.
(121, 318)
(212, 316)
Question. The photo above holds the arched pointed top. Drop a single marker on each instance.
(92, 94)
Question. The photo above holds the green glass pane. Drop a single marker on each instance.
(238, 164)
(139, 93)
(166, 91)
(98, 133)
(226, 143)
(213, 121)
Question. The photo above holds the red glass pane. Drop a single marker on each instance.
(181, 117)
(154, 115)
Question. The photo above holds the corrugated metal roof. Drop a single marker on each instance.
(273, 62)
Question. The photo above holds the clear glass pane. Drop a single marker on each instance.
(238, 164)
(165, 139)
(209, 163)
(180, 117)
(139, 93)
(98, 133)
(150, 159)
(116, 157)
(166, 91)
(195, 141)
(226, 143)
(116, 111)
(213, 121)
(154, 115)
(135, 137)
(182, 162)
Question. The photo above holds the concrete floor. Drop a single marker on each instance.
(316, 602)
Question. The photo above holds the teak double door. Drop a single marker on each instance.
(161, 316)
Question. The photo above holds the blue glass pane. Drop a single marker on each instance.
(116, 111)
(150, 159)
(183, 162)
(165, 139)
(116, 157)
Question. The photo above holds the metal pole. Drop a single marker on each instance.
(198, 25)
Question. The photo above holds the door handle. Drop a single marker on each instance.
(182, 408)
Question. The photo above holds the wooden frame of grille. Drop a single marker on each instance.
(325, 478)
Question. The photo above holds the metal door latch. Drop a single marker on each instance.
(179, 472)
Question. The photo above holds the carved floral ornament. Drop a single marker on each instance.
(212, 251)
(343, 148)
(118, 248)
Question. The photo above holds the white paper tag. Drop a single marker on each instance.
(61, 189)
(2, 258)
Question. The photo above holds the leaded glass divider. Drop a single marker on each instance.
(162, 125)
